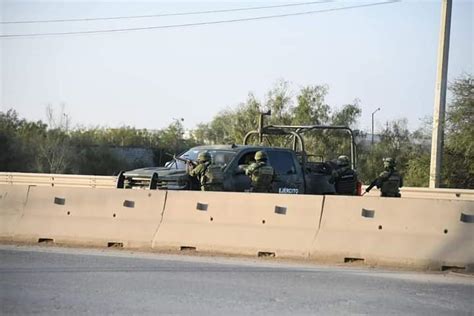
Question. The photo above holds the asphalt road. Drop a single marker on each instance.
(65, 281)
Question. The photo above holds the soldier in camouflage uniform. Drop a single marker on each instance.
(204, 172)
(261, 173)
(389, 181)
(344, 177)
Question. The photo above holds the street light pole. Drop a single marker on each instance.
(440, 95)
(378, 109)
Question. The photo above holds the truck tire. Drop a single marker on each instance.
(153, 181)
(119, 184)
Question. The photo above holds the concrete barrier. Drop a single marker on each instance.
(12, 202)
(413, 231)
(102, 217)
(241, 223)
(420, 232)
(57, 180)
(425, 193)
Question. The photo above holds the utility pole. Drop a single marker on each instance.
(378, 109)
(437, 138)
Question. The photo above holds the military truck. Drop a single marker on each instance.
(291, 177)
(295, 171)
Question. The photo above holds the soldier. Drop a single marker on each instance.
(389, 181)
(203, 171)
(261, 173)
(344, 178)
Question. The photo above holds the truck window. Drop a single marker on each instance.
(219, 157)
(222, 158)
(247, 158)
(282, 162)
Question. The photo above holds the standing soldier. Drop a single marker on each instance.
(203, 172)
(389, 181)
(261, 173)
(344, 178)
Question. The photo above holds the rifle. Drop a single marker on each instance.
(372, 184)
(187, 161)
(376, 181)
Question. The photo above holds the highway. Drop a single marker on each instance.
(68, 281)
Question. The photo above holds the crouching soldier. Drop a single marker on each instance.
(344, 177)
(261, 173)
(209, 177)
(389, 181)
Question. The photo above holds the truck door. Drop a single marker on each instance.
(289, 177)
(239, 182)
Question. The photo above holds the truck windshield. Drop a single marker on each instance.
(219, 157)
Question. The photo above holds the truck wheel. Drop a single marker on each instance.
(153, 181)
(120, 180)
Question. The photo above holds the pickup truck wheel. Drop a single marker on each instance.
(120, 180)
(192, 185)
(153, 181)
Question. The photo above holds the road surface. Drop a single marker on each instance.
(67, 281)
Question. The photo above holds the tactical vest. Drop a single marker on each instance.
(346, 183)
(390, 187)
(262, 178)
(213, 179)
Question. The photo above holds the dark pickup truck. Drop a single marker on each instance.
(291, 176)
(294, 172)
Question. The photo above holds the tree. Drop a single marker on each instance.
(311, 108)
(244, 119)
(54, 151)
(458, 170)
(18, 142)
(347, 115)
(395, 142)
(325, 144)
(172, 137)
(279, 103)
(308, 108)
(202, 133)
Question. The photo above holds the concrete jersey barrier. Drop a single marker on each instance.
(411, 231)
(91, 181)
(242, 223)
(445, 194)
(57, 180)
(102, 217)
(421, 232)
(12, 202)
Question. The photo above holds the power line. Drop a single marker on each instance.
(171, 26)
(168, 14)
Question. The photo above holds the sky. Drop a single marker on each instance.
(383, 55)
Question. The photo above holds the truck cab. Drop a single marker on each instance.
(289, 176)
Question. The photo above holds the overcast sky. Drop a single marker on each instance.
(384, 55)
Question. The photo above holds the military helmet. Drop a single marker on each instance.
(204, 156)
(389, 162)
(260, 155)
(343, 160)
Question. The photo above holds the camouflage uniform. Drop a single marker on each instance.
(261, 173)
(389, 181)
(206, 174)
(344, 178)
